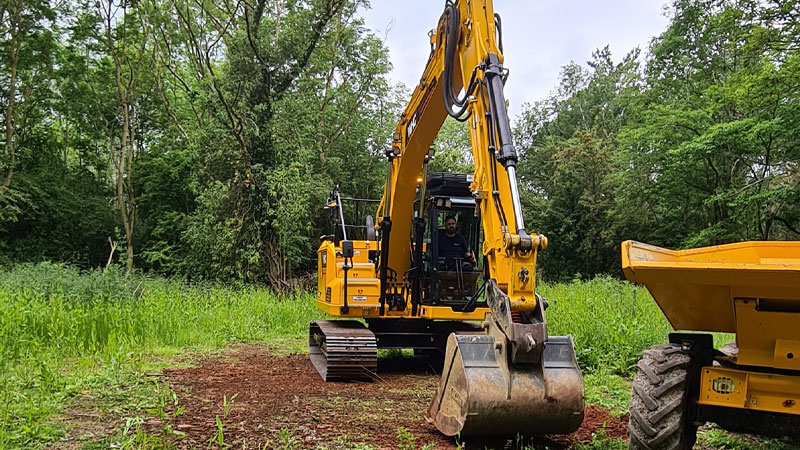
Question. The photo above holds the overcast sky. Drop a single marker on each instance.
(539, 36)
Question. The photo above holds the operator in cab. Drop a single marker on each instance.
(453, 247)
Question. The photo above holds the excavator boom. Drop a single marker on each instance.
(508, 376)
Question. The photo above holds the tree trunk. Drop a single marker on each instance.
(123, 156)
(10, 112)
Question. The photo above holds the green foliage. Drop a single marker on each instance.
(611, 392)
(405, 440)
(568, 146)
(52, 315)
(235, 133)
(601, 442)
(453, 149)
(611, 322)
(716, 144)
(722, 440)
(312, 92)
(286, 440)
(699, 147)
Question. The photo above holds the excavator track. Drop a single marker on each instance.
(343, 350)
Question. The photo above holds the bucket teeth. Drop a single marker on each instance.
(343, 350)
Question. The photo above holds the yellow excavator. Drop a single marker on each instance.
(395, 282)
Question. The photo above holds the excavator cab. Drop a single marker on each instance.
(451, 280)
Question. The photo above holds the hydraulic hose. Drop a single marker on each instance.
(452, 21)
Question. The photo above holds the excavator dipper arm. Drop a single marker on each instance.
(513, 378)
(464, 47)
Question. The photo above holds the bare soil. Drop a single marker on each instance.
(278, 400)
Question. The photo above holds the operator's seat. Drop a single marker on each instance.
(456, 265)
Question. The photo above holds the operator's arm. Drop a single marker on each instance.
(467, 253)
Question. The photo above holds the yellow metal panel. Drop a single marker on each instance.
(750, 390)
(447, 313)
(695, 288)
(521, 292)
(426, 312)
(787, 353)
(723, 388)
(767, 338)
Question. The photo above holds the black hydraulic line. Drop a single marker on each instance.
(491, 122)
(452, 20)
(346, 268)
(498, 23)
(347, 264)
(474, 299)
(508, 154)
(416, 275)
(386, 228)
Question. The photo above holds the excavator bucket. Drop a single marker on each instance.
(503, 383)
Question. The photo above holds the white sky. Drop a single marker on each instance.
(539, 36)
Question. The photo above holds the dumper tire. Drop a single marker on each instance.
(660, 408)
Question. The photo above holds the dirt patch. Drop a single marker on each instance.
(280, 401)
(83, 424)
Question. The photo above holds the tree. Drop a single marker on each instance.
(26, 46)
(716, 148)
(568, 142)
(453, 149)
(126, 44)
(292, 94)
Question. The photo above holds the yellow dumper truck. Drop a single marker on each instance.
(751, 289)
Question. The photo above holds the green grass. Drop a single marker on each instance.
(722, 440)
(601, 442)
(611, 322)
(61, 331)
(608, 391)
(65, 333)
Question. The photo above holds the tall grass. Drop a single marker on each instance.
(63, 332)
(52, 316)
(612, 322)
(54, 309)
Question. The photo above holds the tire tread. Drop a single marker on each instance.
(659, 401)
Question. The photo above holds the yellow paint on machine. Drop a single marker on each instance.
(750, 390)
(749, 288)
(364, 287)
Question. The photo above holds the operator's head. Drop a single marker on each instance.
(450, 225)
